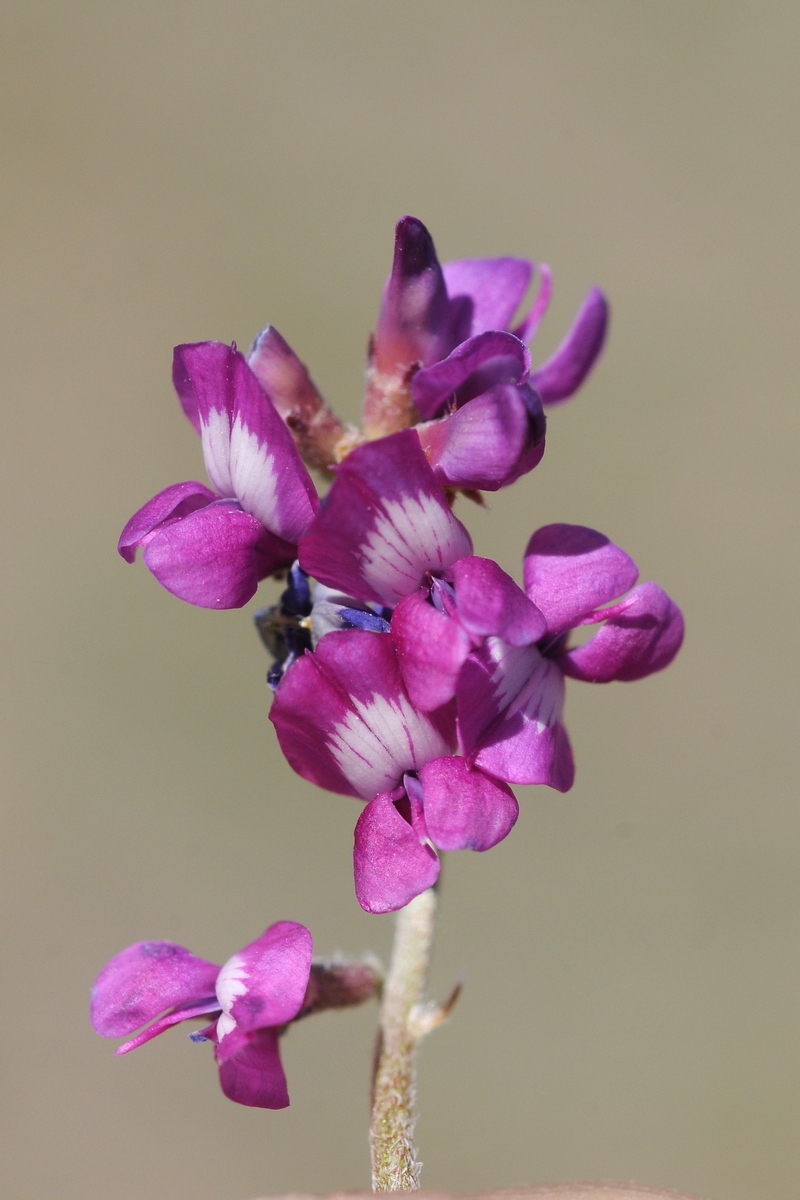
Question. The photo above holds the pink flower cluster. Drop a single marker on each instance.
(410, 673)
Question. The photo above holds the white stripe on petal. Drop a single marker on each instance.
(215, 434)
(255, 480)
(231, 983)
(525, 682)
(409, 537)
(380, 740)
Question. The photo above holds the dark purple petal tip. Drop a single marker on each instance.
(414, 325)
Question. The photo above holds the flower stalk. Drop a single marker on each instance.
(403, 1022)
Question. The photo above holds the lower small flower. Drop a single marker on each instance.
(252, 998)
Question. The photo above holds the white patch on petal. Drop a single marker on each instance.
(215, 434)
(225, 1023)
(255, 480)
(409, 537)
(380, 740)
(525, 682)
(231, 982)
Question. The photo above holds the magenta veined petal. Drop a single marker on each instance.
(431, 650)
(392, 861)
(249, 452)
(571, 570)
(562, 374)
(640, 635)
(495, 287)
(265, 983)
(170, 505)
(144, 980)
(510, 701)
(345, 722)
(252, 1074)
(486, 444)
(204, 379)
(307, 711)
(489, 602)
(464, 809)
(384, 524)
(215, 557)
(269, 477)
(476, 365)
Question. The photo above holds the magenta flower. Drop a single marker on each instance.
(384, 524)
(211, 548)
(462, 627)
(251, 998)
(386, 535)
(445, 358)
(510, 694)
(345, 722)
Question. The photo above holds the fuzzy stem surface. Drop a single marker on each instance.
(394, 1162)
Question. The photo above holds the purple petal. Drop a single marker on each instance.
(283, 377)
(170, 505)
(431, 649)
(265, 984)
(392, 864)
(486, 444)
(571, 570)
(384, 524)
(249, 452)
(187, 1012)
(534, 451)
(203, 376)
(510, 702)
(527, 329)
(269, 478)
(308, 709)
(563, 373)
(143, 981)
(464, 809)
(253, 1075)
(215, 557)
(344, 719)
(495, 287)
(414, 321)
(473, 368)
(185, 389)
(315, 428)
(640, 635)
(489, 602)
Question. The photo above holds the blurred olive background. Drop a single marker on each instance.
(631, 954)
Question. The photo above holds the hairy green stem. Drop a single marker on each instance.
(402, 1024)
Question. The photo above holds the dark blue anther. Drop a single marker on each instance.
(296, 600)
(356, 618)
